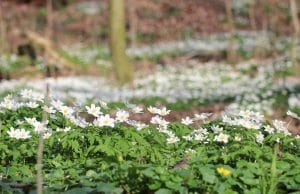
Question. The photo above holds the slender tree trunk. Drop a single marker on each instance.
(2, 31)
(49, 27)
(254, 27)
(231, 54)
(132, 22)
(294, 12)
(123, 68)
(273, 17)
(40, 150)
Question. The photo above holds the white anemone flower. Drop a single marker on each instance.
(259, 137)
(104, 120)
(292, 114)
(172, 139)
(222, 138)
(26, 93)
(93, 110)
(66, 111)
(38, 97)
(57, 104)
(47, 135)
(269, 129)
(30, 121)
(156, 120)
(40, 127)
(202, 116)
(139, 126)
(163, 111)
(153, 110)
(32, 104)
(23, 134)
(216, 128)
(187, 121)
(122, 116)
(137, 109)
(237, 138)
(19, 133)
(12, 133)
(49, 109)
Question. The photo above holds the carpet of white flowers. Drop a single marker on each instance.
(101, 138)
(99, 149)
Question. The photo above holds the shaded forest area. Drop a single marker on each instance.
(154, 21)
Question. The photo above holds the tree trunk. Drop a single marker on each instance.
(123, 68)
(294, 13)
(254, 28)
(49, 20)
(231, 54)
(132, 22)
(273, 17)
(2, 31)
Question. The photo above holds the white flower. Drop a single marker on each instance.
(216, 129)
(12, 133)
(39, 127)
(49, 109)
(187, 137)
(280, 127)
(163, 111)
(246, 114)
(257, 116)
(187, 121)
(59, 129)
(103, 104)
(19, 133)
(153, 110)
(23, 134)
(237, 138)
(139, 126)
(67, 129)
(222, 138)
(172, 139)
(122, 116)
(269, 129)
(31, 121)
(227, 119)
(156, 120)
(189, 151)
(66, 111)
(8, 104)
(93, 110)
(202, 116)
(47, 135)
(57, 104)
(199, 137)
(259, 138)
(105, 120)
(163, 124)
(26, 93)
(19, 122)
(32, 104)
(38, 97)
(137, 109)
(248, 124)
(292, 114)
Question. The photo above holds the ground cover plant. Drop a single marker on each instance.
(154, 97)
(95, 149)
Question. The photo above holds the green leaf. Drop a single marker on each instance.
(208, 174)
(79, 190)
(164, 191)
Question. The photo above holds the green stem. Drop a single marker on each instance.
(273, 182)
